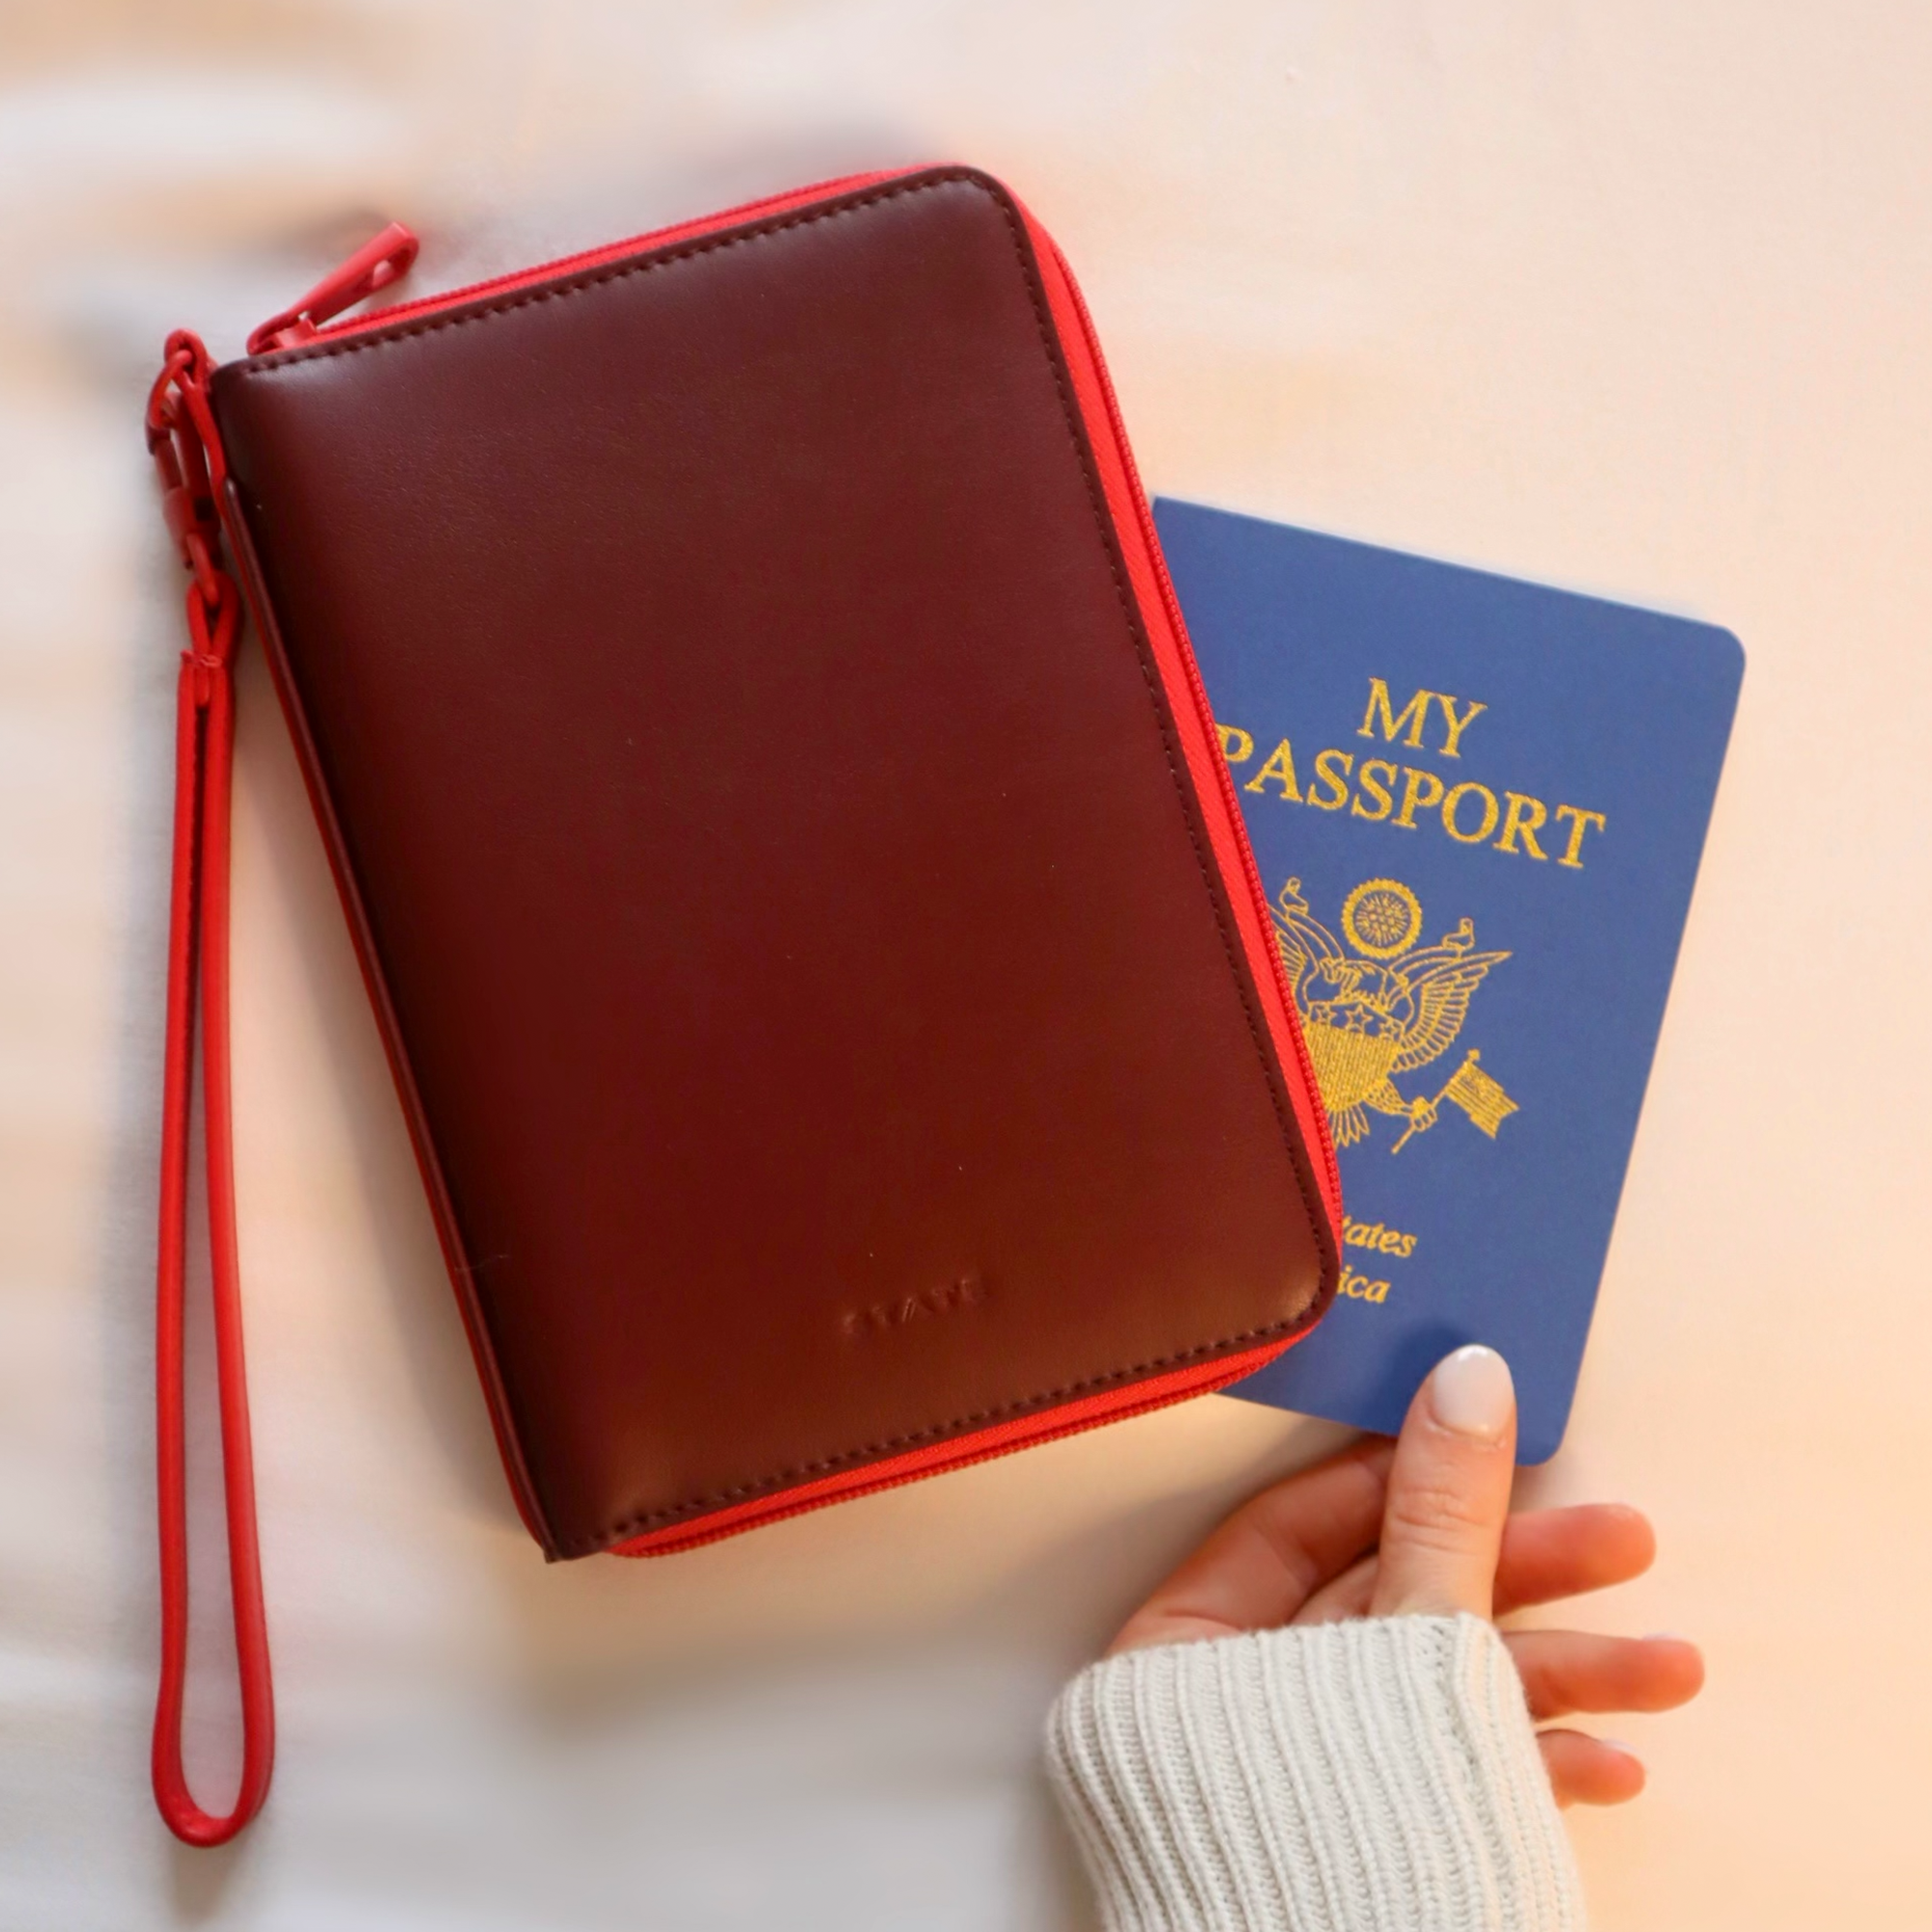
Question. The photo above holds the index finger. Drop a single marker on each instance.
(1272, 1556)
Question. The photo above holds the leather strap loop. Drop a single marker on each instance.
(178, 427)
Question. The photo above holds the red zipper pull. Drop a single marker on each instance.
(370, 269)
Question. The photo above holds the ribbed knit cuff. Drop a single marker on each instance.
(1379, 1775)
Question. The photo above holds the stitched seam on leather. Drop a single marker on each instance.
(1150, 675)
(267, 366)
(869, 1452)
(700, 1534)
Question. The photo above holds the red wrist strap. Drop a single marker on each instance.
(187, 450)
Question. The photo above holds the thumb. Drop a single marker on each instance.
(1449, 1489)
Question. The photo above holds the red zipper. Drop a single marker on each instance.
(386, 258)
(383, 261)
(1203, 710)
(983, 1446)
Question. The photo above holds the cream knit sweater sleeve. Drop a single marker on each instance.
(1379, 1775)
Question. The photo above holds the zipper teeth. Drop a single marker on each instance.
(591, 258)
(1205, 711)
(1166, 1399)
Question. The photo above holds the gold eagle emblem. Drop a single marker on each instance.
(1388, 1006)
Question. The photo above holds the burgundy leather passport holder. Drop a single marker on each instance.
(788, 851)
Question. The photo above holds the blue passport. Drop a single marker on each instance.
(1477, 806)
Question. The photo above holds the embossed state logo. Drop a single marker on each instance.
(1389, 1008)
(881, 1318)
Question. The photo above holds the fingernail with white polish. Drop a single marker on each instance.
(1471, 1392)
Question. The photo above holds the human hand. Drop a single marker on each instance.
(1421, 1527)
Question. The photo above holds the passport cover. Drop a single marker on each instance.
(1478, 806)
(787, 846)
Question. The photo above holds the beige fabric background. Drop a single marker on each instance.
(1628, 299)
